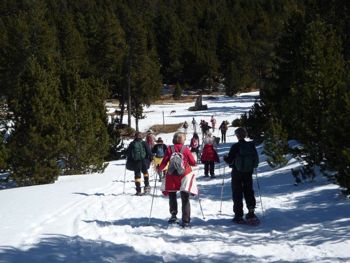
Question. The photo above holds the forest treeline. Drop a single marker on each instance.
(307, 95)
(60, 59)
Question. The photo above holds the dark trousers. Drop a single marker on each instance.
(209, 167)
(137, 176)
(242, 186)
(186, 207)
(223, 137)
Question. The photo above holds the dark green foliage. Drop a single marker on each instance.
(338, 151)
(3, 156)
(85, 126)
(256, 121)
(37, 140)
(177, 92)
(275, 144)
(308, 86)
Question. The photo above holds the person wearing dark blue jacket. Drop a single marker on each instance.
(242, 181)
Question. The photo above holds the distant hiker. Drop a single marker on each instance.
(223, 128)
(150, 139)
(209, 155)
(204, 127)
(213, 122)
(185, 126)
(179, 177)
(243, 158)
(296, 172)
(194, 124)
(158, 152)
(139, 158)
(195, 145)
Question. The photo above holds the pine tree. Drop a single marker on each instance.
(337, 154)
(177, 92)
(85, 126)
(3, 156)
(275, 144)
(37, 139)
(73, 50)
(4, 120)
(318, 85)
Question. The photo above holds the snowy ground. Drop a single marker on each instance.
(88, 218)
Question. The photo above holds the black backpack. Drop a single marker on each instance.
(247, 158)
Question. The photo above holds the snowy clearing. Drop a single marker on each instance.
(88, 218)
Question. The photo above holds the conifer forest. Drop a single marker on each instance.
(60, 60)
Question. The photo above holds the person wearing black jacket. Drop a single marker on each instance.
(242, 182)
(141, 164)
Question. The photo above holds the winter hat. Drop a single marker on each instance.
(159, 140)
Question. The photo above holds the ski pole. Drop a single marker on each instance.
(124, 180)
(200, 206)
(257, 180)
(222, 190)
(154, 190)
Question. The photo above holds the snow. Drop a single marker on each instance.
(88, 218)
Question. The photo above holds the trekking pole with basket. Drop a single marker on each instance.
(257, 181)
(154, 190)
(222, 189)
(124, 180)
(200, 205)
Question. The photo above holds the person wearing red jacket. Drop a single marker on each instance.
(185, 183)
(209, 155)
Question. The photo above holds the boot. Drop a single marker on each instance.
(250, 214)
(147, 189)
(173, 219)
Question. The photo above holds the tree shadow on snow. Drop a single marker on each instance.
(60, 248)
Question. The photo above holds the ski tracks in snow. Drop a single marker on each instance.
(86, 215)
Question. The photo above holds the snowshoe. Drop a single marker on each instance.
(147, 189)
(238, 220)
(185, 225)
(251, 218)
(173, 220)
(253, 221)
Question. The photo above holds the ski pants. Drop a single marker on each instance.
(242, 186)
(137, 176)
(223, 137)
(209, 167)
(186, 207)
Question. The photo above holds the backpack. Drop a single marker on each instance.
(176, 162)
(138, 151)
(246, 159)
(160, 151)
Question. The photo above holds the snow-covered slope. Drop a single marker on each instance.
(88, 218)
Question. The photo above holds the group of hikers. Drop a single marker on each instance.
(205, 128)
(173, 164)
